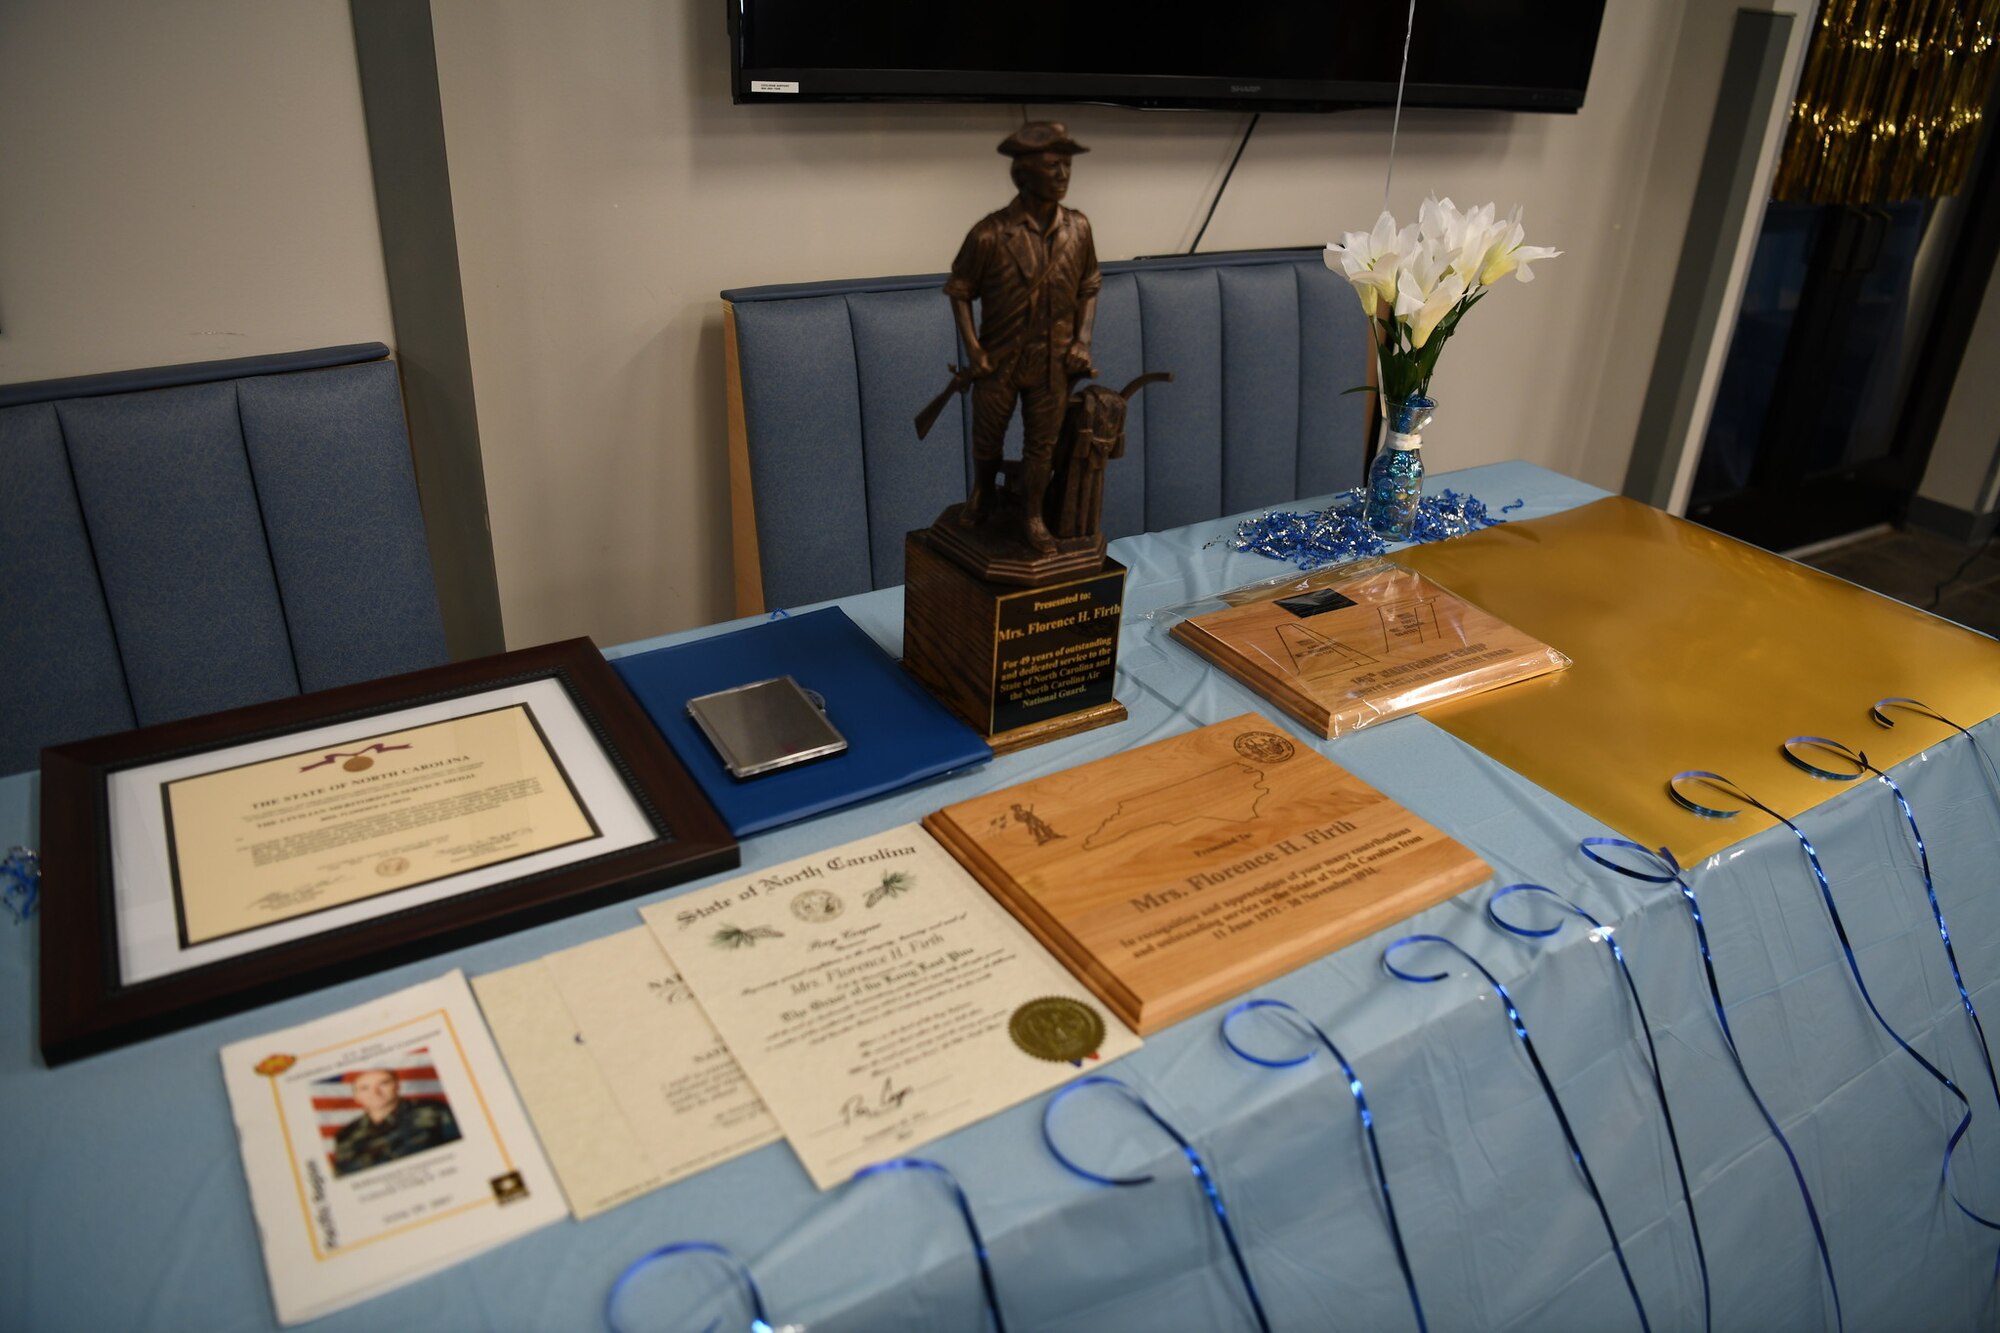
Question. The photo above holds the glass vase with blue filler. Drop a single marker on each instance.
(1396, 478)
(1415, 283)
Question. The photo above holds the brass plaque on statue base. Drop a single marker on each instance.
(1176, 875)
(1020, 665)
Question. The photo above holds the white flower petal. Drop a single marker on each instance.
(1373, 287)
(1383, 238)
(1440, 303)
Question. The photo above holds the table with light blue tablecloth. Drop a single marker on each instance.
(123, 1203)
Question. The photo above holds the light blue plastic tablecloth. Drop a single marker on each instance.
(123, 1203)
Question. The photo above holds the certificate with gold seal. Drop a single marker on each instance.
(265, 842)
(877, 998)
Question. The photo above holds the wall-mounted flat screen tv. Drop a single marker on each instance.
(1266, 55)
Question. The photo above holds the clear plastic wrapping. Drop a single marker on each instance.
(1354, 644)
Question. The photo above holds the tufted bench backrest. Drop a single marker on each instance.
(180, 541)
(827, 473)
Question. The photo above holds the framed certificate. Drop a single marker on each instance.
(203, 866)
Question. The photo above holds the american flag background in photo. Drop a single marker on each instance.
(416, 1081)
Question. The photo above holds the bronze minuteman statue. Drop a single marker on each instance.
(1011, 605)
(1033, 269)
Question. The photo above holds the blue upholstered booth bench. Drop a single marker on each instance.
(827, 473)
(193, 538)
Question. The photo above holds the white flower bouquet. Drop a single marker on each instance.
(1417, 282)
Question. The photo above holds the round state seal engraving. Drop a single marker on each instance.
(1056, 1028)
(1264, 747)
(815, 905)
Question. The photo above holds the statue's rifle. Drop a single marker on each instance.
(960, 379)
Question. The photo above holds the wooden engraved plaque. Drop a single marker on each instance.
(1181, 873)
(1352, 645)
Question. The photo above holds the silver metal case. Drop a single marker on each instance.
(765, 726)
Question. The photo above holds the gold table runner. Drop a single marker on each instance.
(1693, 651)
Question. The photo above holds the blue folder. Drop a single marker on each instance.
(896, 733)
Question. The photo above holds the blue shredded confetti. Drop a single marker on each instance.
(1339, 533)
(20, 883)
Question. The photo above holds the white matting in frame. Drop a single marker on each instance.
(148, 925)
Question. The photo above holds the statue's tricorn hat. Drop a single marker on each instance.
(1040, 136)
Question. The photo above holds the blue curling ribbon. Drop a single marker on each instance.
(1862, 767)
(1601, 932)
(1361, 1108)
(1340, 531)
(1882, 719)
(1981, 759)
(760, 1322)
(1202, 1175)
(965, 1215)
(1668, 871)
(1853, 966)
(21, 882)
(1548, 1091)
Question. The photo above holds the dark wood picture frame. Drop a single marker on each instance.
(86, 1008)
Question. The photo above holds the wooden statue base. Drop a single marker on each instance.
(1019, 665)
(994, 549)
(1069, 724)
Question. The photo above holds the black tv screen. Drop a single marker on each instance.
(1272, 55)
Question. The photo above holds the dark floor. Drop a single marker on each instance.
(1909, 565)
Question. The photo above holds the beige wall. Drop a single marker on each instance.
(190, 180)
(181, 182)
(606, 190)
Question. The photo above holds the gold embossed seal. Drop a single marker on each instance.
(1056, 1028)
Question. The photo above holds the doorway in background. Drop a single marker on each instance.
(1854, 320)
(1803, 444)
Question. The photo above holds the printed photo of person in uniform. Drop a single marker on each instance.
(391, 1124)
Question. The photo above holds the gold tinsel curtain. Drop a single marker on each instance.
(1889, 105)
